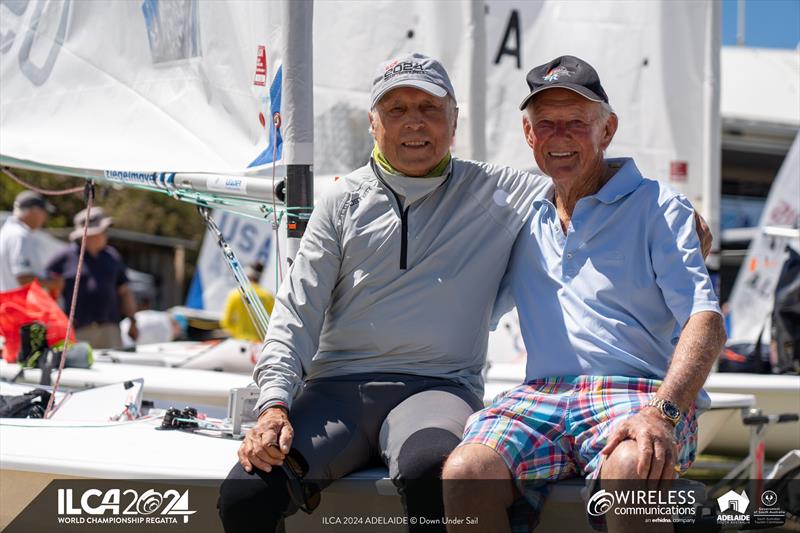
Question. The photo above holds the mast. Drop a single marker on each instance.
(475, 28)
(297, 123)
(712, 128)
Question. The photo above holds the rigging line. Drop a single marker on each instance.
(89, 189)
(240, 208)
(46, 192)
(276, 123)
(253, 304)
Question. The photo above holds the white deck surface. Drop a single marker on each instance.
(182, 386)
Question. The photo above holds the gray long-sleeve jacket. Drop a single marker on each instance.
(376, 288)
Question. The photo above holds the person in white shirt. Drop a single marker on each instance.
(21, 259)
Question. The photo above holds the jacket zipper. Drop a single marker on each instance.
(403, 220)
(404, 239)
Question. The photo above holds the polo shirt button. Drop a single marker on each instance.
(570, 255)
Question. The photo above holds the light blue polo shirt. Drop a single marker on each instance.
(611, 295)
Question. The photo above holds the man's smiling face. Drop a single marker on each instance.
(568, 133)
(413, 129)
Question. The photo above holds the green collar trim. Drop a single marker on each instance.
(437, 171)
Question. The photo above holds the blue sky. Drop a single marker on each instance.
(768, 23)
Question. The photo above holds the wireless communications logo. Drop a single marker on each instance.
(116, 506)
(675, 505)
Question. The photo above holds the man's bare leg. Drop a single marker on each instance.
(621, 465)
(469, 463)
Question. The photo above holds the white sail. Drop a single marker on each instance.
(157, 85)
(180, 85)
(351, 38)
(753, 295)
(133, 92)
(659, 63)
(139, 85)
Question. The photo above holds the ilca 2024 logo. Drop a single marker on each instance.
(116, 506)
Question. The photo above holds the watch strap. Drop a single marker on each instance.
(662, 406)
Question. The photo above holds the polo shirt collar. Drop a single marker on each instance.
(625, 181)
(621, 184)
(546, 197)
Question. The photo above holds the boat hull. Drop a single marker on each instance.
(774, 394)
(171, 385)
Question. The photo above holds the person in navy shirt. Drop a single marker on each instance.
(104, 296)
(618, 314)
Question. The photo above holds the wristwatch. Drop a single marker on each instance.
(668, 410)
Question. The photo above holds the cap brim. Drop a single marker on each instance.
(580, 89)
(428, 87)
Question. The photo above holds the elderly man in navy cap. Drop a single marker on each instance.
(618, 315)
(21, 256)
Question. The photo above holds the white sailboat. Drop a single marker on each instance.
(174, 97)
(751, 307)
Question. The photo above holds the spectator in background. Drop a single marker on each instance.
(235, 318)
(152, 327)
(21, 259)
(104, 296)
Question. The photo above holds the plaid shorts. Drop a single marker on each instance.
(554, 428)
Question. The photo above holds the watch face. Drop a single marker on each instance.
(671, 410)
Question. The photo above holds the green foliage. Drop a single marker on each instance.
(135, 210)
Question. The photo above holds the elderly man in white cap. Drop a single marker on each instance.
(21, 259)
(104, 296)
(379, 334)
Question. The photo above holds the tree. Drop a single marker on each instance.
(135, 210)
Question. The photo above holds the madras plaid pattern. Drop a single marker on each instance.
(554, 428)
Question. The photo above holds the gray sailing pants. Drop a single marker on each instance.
(344, 424)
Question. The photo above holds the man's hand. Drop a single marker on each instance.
(704, 233)
(268, 442)
(133, 331)
(655, 440)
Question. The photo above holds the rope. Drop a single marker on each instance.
(253, 305)
(89, 201)
(276, 123)
(46, 192)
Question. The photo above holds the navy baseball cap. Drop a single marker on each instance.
(28, 199)
(411, 70)
(566, 72)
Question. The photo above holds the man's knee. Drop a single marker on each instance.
(622, 462)
(423, 453)
(475, 461)
(251, 498)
